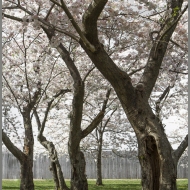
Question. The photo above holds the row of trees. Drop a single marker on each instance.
(64, 58)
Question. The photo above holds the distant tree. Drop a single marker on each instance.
(25, 88)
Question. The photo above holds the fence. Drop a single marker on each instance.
(113, 167)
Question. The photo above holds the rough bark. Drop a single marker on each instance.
(158, 163)
(27, 160)
(26, 157)
(55, 166)
(26, 164)
(26, 173)
(78, 176)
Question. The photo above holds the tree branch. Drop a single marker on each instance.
(11, 147)
(90, 18)
(12, 17)
(45, 23)
(87, 74)
(12, 94)
(107, 121)
(49, 12)
(75, 25)
(159, 48)
(98, 118)
(42, 125)
(181, 148)
(165, 93)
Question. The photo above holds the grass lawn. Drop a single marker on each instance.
(109, 184)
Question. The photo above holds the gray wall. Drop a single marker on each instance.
(113, 167)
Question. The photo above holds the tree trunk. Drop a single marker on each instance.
(99, 163)
(78, 176)
(55, 166)
(52, 168)
(26, 174)
(158, 173)
(58, 178)
(158, 166)
(27, 158)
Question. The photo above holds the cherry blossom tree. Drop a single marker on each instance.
(26, 88)
(48, 86)
(138, 54)
(24, 97)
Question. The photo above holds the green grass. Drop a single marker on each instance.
(109, 184)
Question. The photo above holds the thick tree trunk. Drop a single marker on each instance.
(158, 166)
(78, 176)
(27, 158)
(158, 173)
(26, 174)
(99, 164)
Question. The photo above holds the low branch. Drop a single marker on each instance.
(94, 124)
(11, 147)
(135, 71)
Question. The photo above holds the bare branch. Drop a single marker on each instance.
(69, 62)
(49, 12)
(87, 74)
(46, 24)
(176, 44)
(12, 17)
(135, 71)
(37, 119)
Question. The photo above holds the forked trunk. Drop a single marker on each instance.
(26, 174)
(55, 166)
(158, 173)
(58, 178)
(78, 176)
